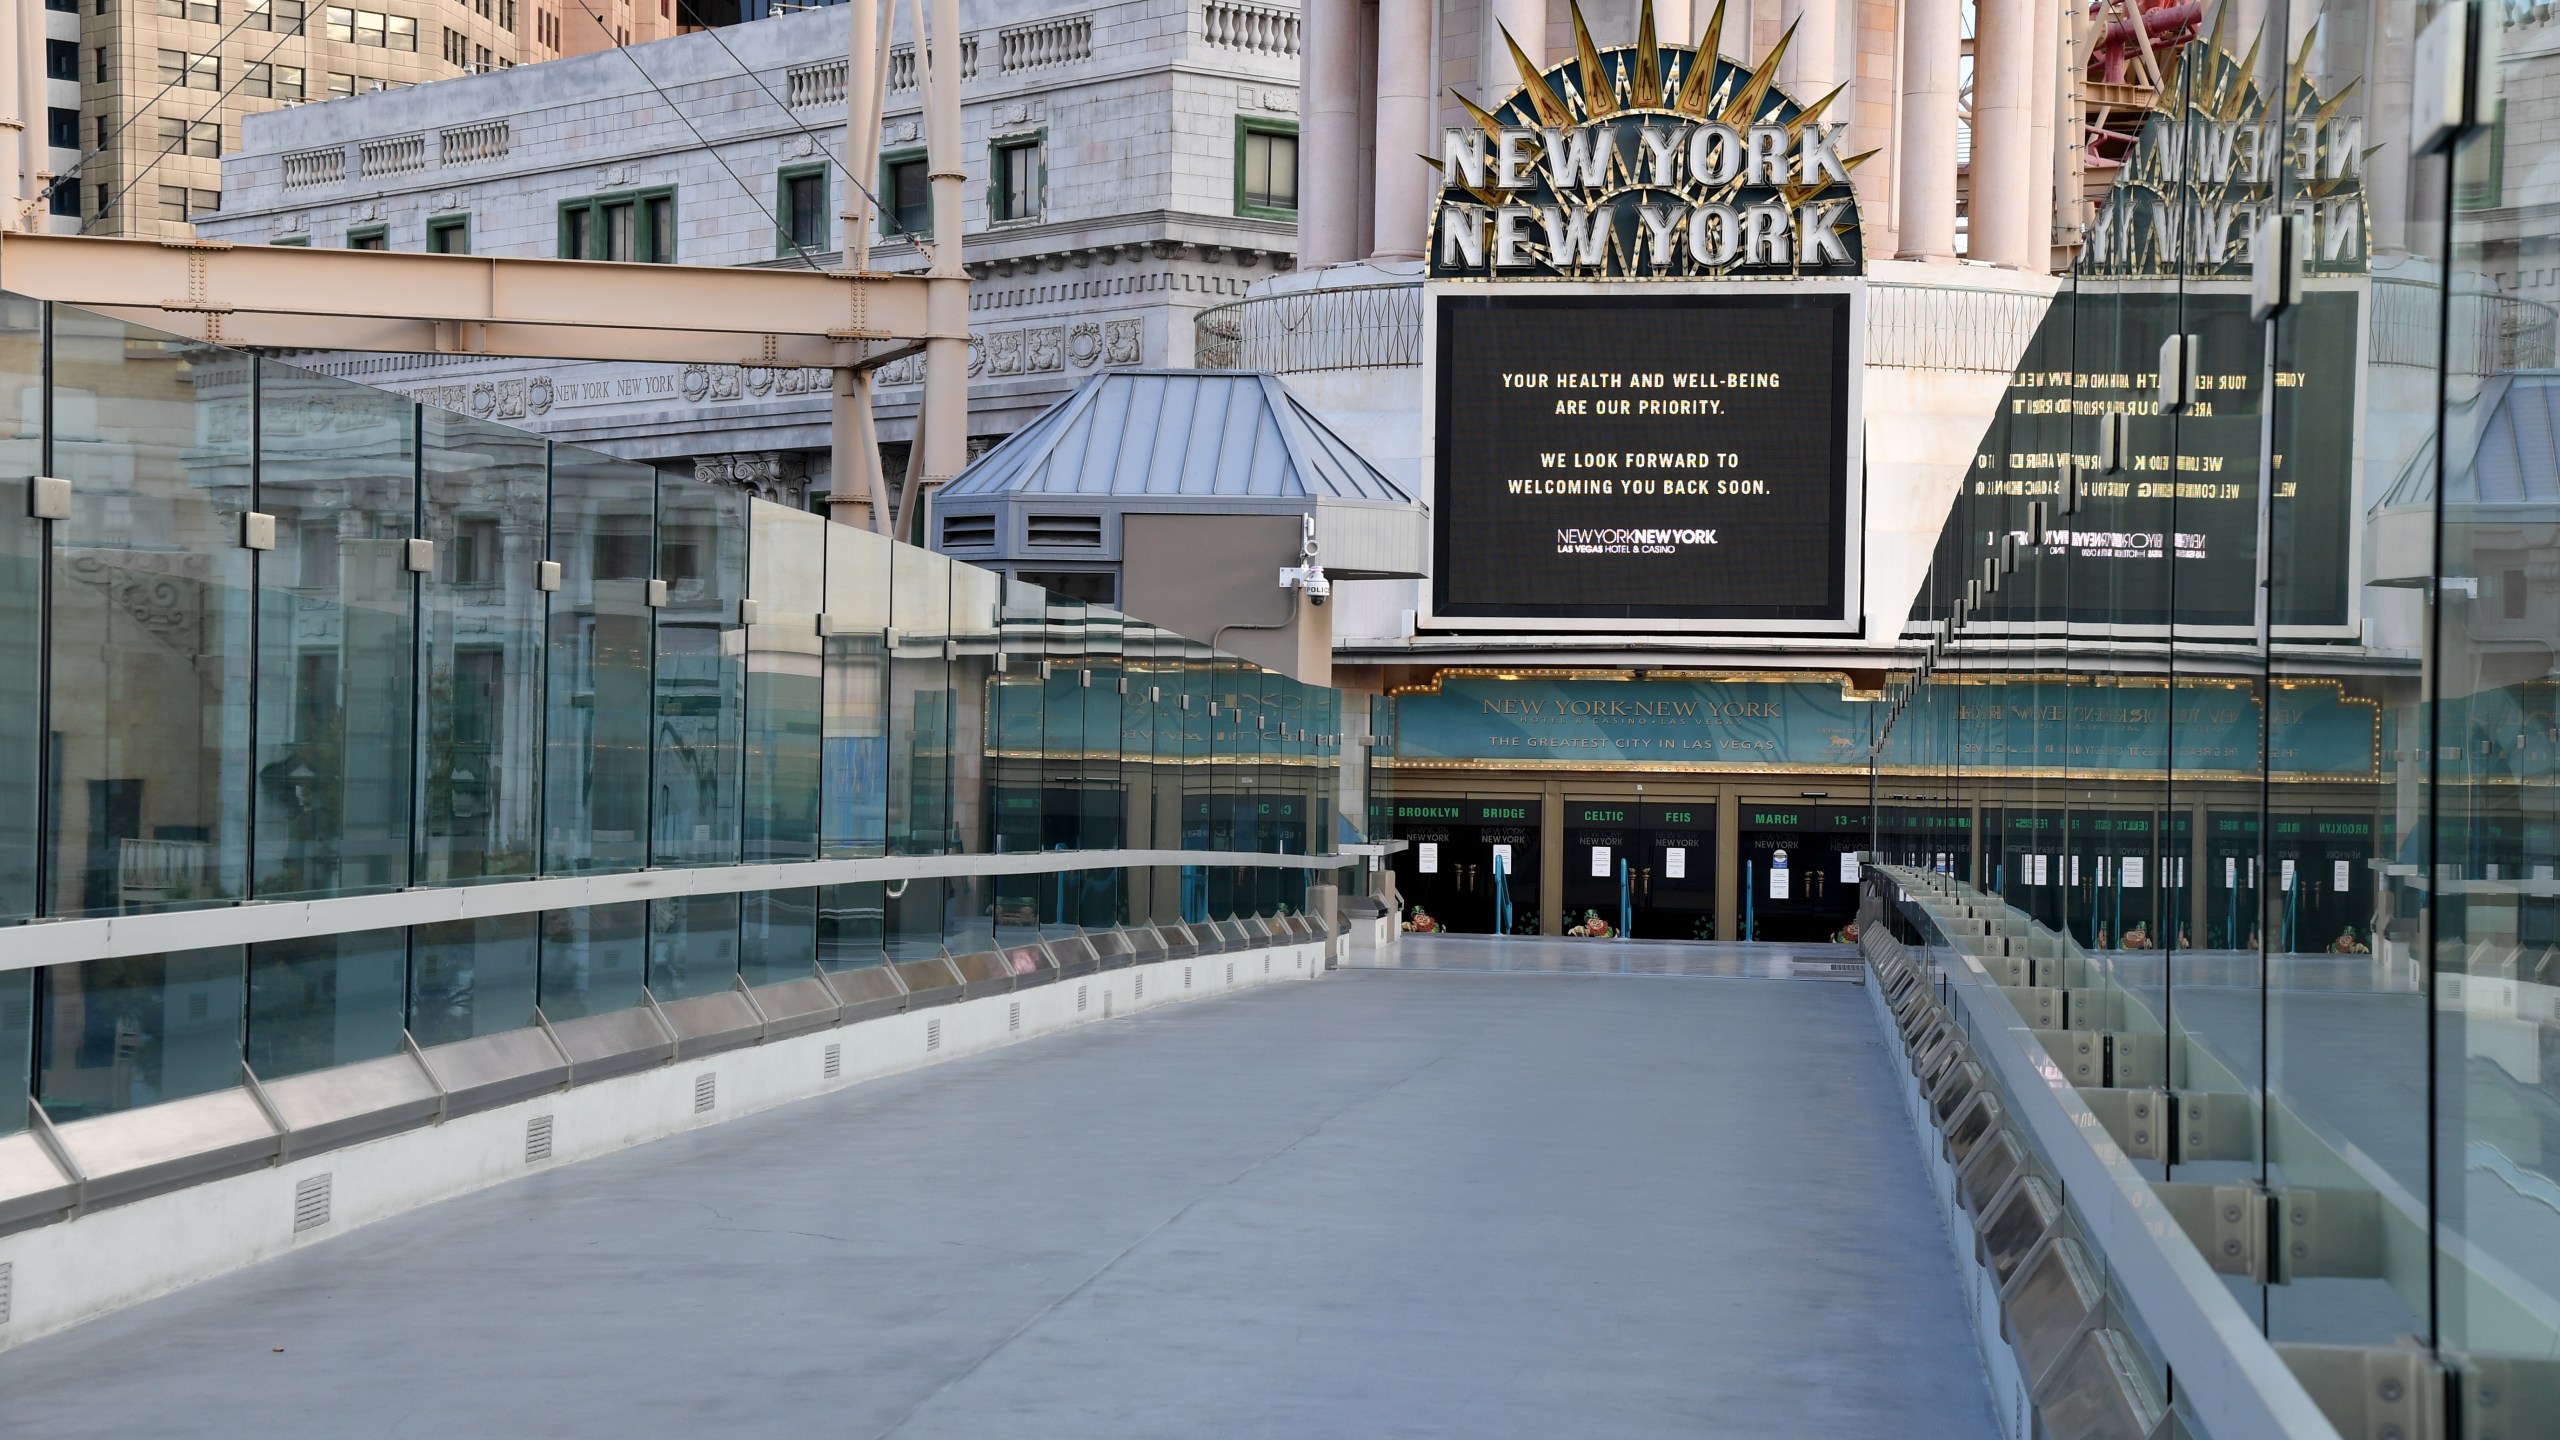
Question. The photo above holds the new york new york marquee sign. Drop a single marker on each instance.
(1647, 162)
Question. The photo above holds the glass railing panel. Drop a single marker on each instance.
(138, 1030)
(150, 758)
(699, 721)
(601, 659)
(595, 959)
(22, 567)
(469, 978)
(326, 1000)
(485, 493)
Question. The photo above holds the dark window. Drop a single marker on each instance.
(200, 138)
(373, 238)
(284, 17)
(803, 194)
(68, 7)
(910, 195)
(1014, 188)
(1266, 167)
(1093, 587)
(475, 551)
(62, 128)
(633, 226)
(66, 198)
(62, 60)
(201, 11)
(451, 236)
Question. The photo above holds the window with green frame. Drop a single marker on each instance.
(626, 225)
(369, 237)
(800, 209)
(1267, 168)
(1016, 178)
(449, 235)
(298, 241)
(906, 194)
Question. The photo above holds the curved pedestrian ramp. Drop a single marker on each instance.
(1387, 1204)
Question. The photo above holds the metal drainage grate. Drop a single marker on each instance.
(1080, 999)
(833, 1067)
(706, 1090)
(311, 1203)
(537, 1139)
(933, 1034)
(1013, 1016)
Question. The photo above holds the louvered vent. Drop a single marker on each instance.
(537, 1139)
(1231, 972)
(833, 1067)
(1141, 986)
(311, 1203)
(960, 531)
(1080, 999)
(1013, 1016)
(1081, 531)
(706, 1090)
(7, 1280)
(1186, 977)
(933, 1034)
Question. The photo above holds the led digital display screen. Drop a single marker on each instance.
(1682, 457)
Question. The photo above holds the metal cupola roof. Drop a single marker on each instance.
(1178, 441)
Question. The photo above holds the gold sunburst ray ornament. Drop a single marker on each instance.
(1599, 97)
(1550, 110)
(1697, 88)
(1745, 109)
(1646, 86)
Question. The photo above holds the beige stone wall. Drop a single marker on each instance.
(127, 92)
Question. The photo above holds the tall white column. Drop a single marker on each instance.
(1329, 150)
(942, 424)
(1812, 65)
(1404, 128)
(856, 490)
(1996, 219)
(1926, 171)
(1674, 23)
(2047, 60)
(1496, 73)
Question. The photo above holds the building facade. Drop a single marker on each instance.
(166, 85)
(1130, 165)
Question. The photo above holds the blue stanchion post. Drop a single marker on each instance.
(1750, 898)
(1626, 915)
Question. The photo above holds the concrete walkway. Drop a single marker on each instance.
(1384, 1204)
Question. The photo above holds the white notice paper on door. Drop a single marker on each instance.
(2338, 877)
(2284, 878)
(1599, 862)
(2230, 872)
(2133, 872)
(1778, 875)
(2037, 870)
(1426, 857)
(2075, 869)
(1849, 869)
(1502, 859)
(1675, 862)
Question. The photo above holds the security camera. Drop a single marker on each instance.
(1309, 578)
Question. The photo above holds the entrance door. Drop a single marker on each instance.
(1471, 865)
(1599, 879)
(1793, 875)
(2323, 896)
(2231, 879)
(2118, 901)
(1675, 878)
